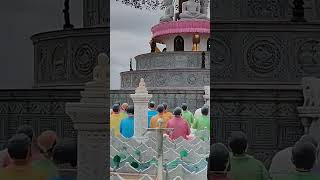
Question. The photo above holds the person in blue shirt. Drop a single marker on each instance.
(151, 111)
(127, 124)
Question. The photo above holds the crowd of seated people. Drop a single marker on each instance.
(27, 157)
(233, 163)
(181, 120)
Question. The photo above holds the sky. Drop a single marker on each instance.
(20, 19)
(130, 31)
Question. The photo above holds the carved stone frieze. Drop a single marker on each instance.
(269, 119)
(166, 78)
(171, 60)
(67, 58)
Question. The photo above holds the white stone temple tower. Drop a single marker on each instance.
(184, 63)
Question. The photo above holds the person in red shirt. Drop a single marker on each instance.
(180, 126)
(218, 162)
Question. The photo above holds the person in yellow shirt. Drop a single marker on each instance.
(154, 123)
(167, 114)
(115, 119)
(19, 149)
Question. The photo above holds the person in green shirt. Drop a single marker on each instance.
(186, 114)
(303, 158)
(244, 166)
(202, 122)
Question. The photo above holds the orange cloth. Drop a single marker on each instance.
(168, 115)
(154, 119)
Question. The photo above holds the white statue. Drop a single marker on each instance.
(100, 71)
(192, 10)
(204, 7)
(169, 12)
(142, 87)
(311, 92)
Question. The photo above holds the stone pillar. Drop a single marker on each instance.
(140, 100)
(90, 120)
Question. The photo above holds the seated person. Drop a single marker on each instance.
(127, 124)
(35, 151)
(115, 119)
(65, 152)
(244, 166)
(46, 141)
(303, 158)
(19, 149)
(203, 121)
(151, 111)
(180, 127)
(159, 119)
(186, 114)
(282, 161)
(218, 162)
(167, 114)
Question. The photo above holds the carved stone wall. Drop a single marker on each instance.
(265, 52)
(255, 80)
(67, 58)
(268, 116)
(174, 98)
(261, 9)
(169, 70)
(171, 60)
(43, 109)
(178, 79)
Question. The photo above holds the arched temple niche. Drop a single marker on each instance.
(178, 43)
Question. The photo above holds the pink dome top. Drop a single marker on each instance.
(176, 27)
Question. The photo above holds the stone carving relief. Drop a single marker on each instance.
(192, 80)
(309, 56)
(221, 54)
(44, 66)
(220, 60)
(264, 8)
(84, 60)
(160, 80)
(263, 57)
(59, 61)
(258, 120)
(163, 79)
(170, 61)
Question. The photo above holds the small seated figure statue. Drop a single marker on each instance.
(192, 10)
(100, 71)
(169, 12)
(153, 46)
